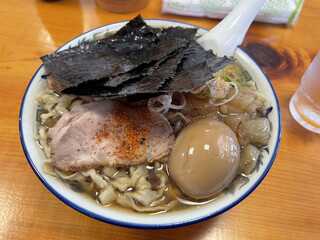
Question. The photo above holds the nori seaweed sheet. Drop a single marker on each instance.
(141, 84)
(105, 58)
(132, 37)
(152, 83)
(167, 34)
(196, 68)
(162, 50)
(138, 59)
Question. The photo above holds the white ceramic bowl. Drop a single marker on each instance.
(28, 130)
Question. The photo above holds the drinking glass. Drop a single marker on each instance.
(122, 6)
(305, 103)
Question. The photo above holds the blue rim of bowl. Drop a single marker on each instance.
(136, 225)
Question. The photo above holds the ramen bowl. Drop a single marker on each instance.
(29, 121)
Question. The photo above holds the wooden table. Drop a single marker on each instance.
(284, 206)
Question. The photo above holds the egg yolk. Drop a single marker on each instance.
(205, 158)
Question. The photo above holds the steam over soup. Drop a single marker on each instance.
(148, 120)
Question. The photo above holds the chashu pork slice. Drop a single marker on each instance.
(108, 133)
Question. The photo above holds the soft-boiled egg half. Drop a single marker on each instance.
(205, 158)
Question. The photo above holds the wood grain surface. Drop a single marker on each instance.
(284, 206)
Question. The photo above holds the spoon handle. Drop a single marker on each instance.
(229, 33)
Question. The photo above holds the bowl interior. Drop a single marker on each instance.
(28, 130)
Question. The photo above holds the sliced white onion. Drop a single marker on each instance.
(180, 106)
(198, 89)
(229, 99)
(164, 99)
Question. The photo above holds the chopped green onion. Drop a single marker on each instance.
(230, 79)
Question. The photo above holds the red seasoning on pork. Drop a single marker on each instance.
(108, 134)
